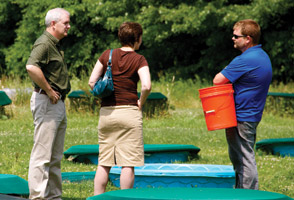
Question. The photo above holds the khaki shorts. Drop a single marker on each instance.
(120, 136)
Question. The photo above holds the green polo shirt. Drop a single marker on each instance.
(46, 55)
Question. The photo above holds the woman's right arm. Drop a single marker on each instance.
(96, 73)
(145, 79)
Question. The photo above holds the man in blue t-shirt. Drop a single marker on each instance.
(251, 74)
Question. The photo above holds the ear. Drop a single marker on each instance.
(249, 39)
(52, 23)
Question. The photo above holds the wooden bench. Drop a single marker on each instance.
(79, 99)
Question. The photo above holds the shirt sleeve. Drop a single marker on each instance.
(39, 56)
(104, 57)
(143, 62)
(235, 69)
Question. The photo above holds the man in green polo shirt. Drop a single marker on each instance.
(48, 71)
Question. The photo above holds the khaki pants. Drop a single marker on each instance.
(50, 125)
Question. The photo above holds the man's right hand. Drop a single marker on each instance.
(54, 96)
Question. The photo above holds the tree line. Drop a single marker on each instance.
(185, 38)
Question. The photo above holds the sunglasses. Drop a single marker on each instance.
(238, 36)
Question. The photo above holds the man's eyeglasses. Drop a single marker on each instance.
(238, 36)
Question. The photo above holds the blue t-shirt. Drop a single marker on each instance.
(251, 74)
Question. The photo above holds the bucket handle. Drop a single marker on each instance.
(209, 111)
(220, 107)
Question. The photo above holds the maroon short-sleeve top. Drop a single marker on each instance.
(125, 65)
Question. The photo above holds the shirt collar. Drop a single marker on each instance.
(51, 37)
(252, 48)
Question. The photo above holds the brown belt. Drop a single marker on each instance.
(40, 91)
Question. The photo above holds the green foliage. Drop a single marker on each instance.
(10, 15)
(186, 37)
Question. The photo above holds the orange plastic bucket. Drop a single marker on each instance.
(218, 106)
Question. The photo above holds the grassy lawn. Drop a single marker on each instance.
(183, 124)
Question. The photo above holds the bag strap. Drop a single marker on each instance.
(110, 57)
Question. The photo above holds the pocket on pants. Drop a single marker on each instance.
(39, 103)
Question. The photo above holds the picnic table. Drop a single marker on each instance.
(155, 103)
(4, 99)
(154, 153)
(280, 103)
(83, 100)
(280, 94)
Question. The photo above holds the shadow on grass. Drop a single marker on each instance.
(11, 197)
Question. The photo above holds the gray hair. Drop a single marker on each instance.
(54, 15)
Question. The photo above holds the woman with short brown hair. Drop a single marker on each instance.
(120, 127)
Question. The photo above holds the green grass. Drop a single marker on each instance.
(183, 124)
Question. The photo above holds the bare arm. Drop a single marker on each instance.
(96, 73)
(145, 79)
(38, 77)
(220, 79)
